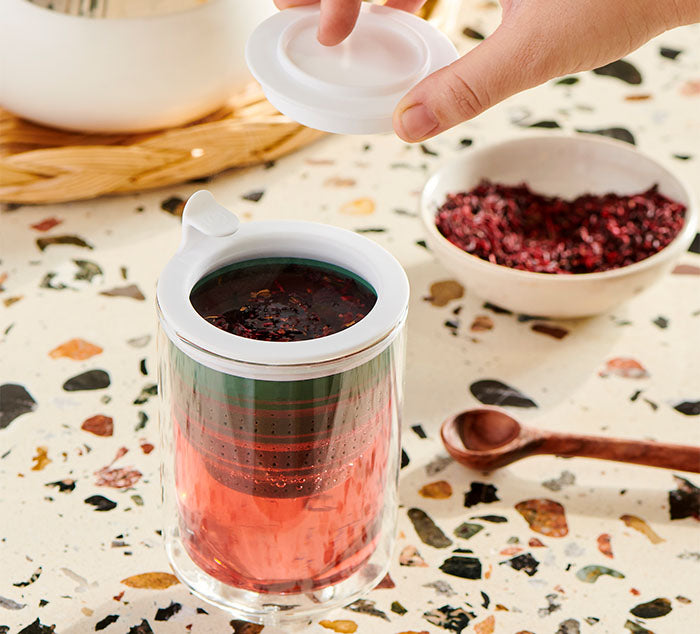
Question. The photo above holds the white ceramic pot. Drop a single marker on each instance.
(564, 166)
(124, 74)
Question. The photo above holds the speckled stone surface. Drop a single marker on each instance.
(545, 546)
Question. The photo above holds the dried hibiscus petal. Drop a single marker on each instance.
(521, 229)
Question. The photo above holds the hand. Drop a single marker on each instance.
(536, 41)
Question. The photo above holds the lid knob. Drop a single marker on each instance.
(204, 217)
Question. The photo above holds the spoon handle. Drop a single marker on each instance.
(653, 454)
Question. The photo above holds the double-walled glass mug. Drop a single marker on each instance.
(280, 458)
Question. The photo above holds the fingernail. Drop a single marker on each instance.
(417, 122)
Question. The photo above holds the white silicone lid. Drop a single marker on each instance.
(351, 88)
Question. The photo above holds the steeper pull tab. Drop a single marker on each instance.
(205, 217)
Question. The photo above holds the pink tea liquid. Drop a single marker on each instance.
(280, 485)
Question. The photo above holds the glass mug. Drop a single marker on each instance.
(280, 460)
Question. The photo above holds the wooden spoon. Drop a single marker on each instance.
(489, 438)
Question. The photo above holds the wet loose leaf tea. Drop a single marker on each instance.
(282, 299)
(521, 229)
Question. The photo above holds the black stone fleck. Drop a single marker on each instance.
(142, 628)
(635, 628)
(405, 460)
(464, 567)
(652, 609)
(695, 244)
(143, 419)
(422, 243)
(142, 367)
(146, 392)
(254, 196)
(426, 150)
(467, 530)
(100, 503)
(566, 81)
(494, 519)
(76, 241)
(87, 270)
(466, 142)
(429, 532)
(90, 380)
(449, 618)
(14, 401)
(31, 580)
(689, 408)
(661, 322)
(547, 124)
(486, 600)
(173, 205)
(619, 133)
(480, 493)
(635, 396)
(525, 562)
(163, 614)
(670, 53)
(36, 627)
(365, 606)
(405, 212)
(494, 392)
(202, 611)
(420, 432)
(682, 157)
(47, 282)
(651, 404)
(497, 309)
(105, 622)
(397, 608)
(371, 230)
(684, 501)
(570, 626)
(622, 70)
(472, 33)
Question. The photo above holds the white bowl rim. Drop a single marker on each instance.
(685, 235)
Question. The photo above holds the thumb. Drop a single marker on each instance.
(494, 70)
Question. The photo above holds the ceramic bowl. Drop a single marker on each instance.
(124, 74)
(565, 166)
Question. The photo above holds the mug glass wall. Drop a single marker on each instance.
(280, 495)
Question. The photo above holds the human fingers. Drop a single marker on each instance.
(338, 18)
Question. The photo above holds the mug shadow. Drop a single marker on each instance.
(133, 610)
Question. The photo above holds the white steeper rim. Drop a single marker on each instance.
(212, 238)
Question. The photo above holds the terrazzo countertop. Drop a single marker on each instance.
(545, 546)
